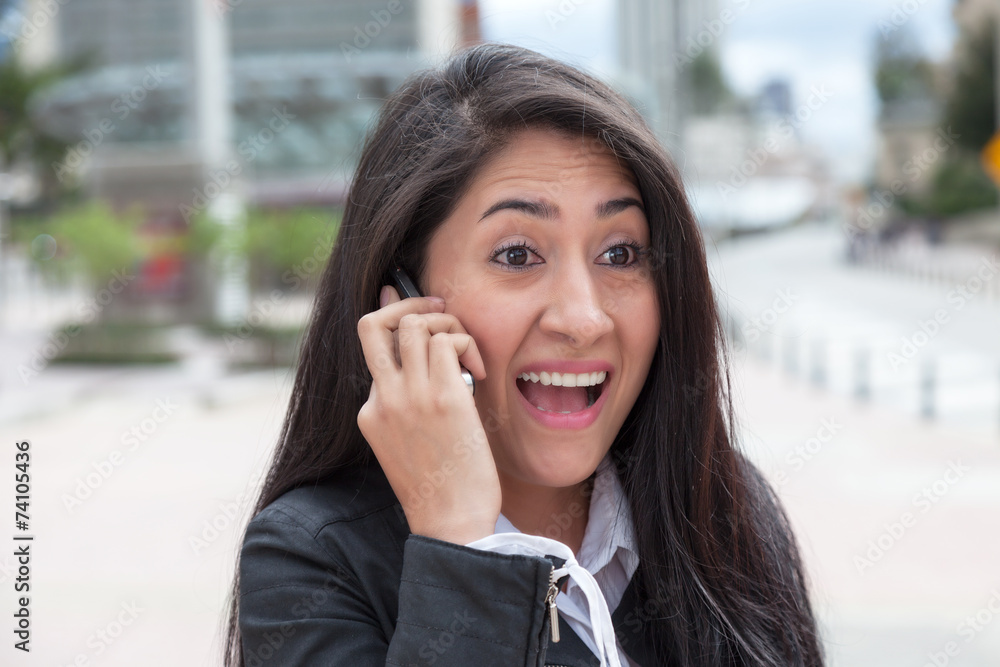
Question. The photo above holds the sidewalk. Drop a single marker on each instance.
(134, 550)
(911, 344)
(897, 515)
(895, 569)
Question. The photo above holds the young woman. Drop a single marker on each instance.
(587, 504)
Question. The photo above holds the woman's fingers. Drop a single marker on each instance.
(445, 351)
(415, 334)
(377, 332)
(396, 338)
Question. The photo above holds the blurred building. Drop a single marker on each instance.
(906, 130)
(749, 169)
(186, 107)
(471, 31)
(317, 69)
(775, 98)
(744, 163)
(970, 14)
(657, 41)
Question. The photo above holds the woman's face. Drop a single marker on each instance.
(544, 263)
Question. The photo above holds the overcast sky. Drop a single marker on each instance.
(808, 42)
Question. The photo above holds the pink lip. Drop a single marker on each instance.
(575, 420)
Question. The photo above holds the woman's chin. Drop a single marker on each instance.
(557, 470)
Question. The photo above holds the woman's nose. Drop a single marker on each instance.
(577, 310)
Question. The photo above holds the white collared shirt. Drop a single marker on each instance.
(607, 552)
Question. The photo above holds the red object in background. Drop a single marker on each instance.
(161, 275)
(470, 23)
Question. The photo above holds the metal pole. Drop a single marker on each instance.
(862, 387)
(818, 373)
(927, 381)
(791, 354)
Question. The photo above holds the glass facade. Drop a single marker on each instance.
(328, 64)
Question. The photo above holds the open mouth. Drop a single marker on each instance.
(562, 393)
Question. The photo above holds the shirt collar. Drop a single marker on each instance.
(609, 526)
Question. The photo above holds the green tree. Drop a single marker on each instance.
(297, 240)
(95, 239)
(709, 90)
(21, 138)
(904, 76)
(959, 185)
(902, 72)
(971, 107)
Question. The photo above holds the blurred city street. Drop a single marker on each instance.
(917, 332)
(152, 533)
(896, 514)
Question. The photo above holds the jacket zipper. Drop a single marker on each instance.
(550, 601)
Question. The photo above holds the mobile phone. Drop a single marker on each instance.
(406, 288)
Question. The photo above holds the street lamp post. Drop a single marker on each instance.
(211, 122)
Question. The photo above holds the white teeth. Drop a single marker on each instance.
(566, 379)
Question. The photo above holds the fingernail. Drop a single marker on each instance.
(383, 297)
(436, 299)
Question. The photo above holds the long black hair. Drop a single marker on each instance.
(719, 574)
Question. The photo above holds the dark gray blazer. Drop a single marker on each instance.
(330, 575)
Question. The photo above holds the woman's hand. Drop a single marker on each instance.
(421, 420)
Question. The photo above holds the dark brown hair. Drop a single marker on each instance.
(719, 571)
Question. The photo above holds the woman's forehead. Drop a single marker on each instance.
(548, 160)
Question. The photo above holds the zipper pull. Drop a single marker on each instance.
(550, 601)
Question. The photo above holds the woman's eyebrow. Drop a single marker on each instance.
(616, 206)
(546, 211)
(535, 209)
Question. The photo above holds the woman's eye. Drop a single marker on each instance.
(618, 255)
(621, 255)
(515, 255)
